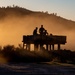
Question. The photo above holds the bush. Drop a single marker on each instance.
(18, 54)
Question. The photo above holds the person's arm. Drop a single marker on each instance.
(39, 30)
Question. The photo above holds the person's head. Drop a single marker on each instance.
(41, 26)
(36, 27)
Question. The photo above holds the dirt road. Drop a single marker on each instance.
(35, 68)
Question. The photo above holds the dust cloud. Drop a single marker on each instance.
(12, 28)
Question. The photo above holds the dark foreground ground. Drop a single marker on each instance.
(37, 68)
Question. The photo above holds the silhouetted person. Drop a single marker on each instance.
(35, 31)
(45, 32)
(41, 30)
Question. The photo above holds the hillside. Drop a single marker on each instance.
(16, 22)
(22, 12)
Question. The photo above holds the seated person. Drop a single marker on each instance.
(45, 32)
(35, 31)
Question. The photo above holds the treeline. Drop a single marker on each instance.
(18, 54)
(13, 6)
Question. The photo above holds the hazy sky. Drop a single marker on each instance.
(64, 8)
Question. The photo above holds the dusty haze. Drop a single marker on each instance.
(13, 27)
